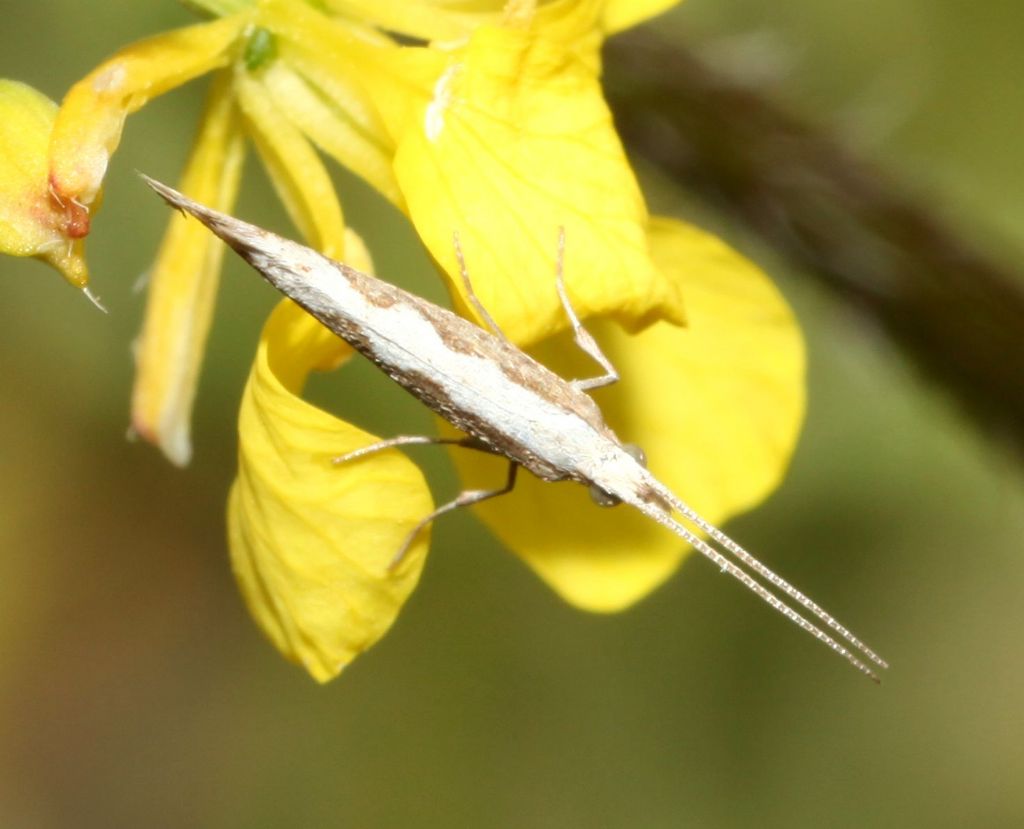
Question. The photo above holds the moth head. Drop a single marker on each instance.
(606, 499)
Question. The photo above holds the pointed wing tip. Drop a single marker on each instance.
(231, 230)
(260, 248)
(168, 194)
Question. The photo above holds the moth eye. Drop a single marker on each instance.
(602, 498)
(605, 499)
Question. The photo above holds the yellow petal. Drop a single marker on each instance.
(425, 19)
(351, 67)
(89, 123)
(515, 143)
(337, 56)
(341, 127)
(742, 357)
(621, 14)
(574, 22)
(296, 171)
(717, 407)
(183, 285)
(311, 542)
(218, 8)
(31, 220)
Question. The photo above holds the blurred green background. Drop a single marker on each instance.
(134, 690)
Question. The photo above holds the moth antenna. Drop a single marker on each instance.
(765, 572)
(755, 587)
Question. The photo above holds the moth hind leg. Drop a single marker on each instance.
(583, 338)
(463, 499)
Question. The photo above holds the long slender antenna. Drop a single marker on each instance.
(755, 587)
(768, 574)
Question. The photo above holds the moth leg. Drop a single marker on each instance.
(463, 499)
(583, 337)
(474, 301)
(408, 440)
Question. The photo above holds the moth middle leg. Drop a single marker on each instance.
(408, 440)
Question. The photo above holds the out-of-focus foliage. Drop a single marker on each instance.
(133, 688)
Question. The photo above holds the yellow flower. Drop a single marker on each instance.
(33, 222)
(492, 126)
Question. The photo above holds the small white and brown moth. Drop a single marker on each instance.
(504, 401)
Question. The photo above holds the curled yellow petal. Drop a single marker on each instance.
(515, 143)
(310, 541)
(717, 407)
(183, 285)
(88, 126)
(31, 219)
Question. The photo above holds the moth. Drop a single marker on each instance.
(503, 401)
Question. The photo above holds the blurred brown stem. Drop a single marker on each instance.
(957, 313)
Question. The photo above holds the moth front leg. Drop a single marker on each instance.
(485, 315)
(583, 337)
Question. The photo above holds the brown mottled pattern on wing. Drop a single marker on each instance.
(462, 336)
